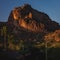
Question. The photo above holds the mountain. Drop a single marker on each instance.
(27, 23)
(27, 34)
(31, 19)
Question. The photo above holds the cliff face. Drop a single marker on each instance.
(31, 19)
(53, 36)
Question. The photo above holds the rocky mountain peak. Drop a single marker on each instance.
(26, 6)
(31, 19)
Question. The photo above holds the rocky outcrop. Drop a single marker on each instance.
(53, 36)
(31, 19)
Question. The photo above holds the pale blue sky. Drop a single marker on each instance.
(51, 7)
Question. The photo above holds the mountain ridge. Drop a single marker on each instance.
(31, 19)
(27, 23)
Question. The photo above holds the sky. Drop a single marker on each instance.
(50, 7)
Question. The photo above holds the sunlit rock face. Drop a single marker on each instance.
(53, 36)
(31, 19)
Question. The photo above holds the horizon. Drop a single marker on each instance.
(51, 8)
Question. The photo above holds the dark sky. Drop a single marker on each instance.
(51, 7)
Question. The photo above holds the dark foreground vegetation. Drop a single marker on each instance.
(33, 54)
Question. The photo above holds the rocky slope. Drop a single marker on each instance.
(30, 19)
(27, 23)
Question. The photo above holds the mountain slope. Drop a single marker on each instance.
(31, 20)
